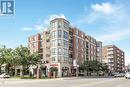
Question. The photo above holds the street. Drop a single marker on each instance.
(66, 82)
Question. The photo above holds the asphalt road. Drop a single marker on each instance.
(67, 82)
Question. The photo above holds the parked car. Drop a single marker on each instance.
(119, 75)
(114, 73)
(4, 75)
(127, 75)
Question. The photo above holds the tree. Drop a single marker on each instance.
(2, 58)
(25, 58)
(9, 60)
(93, 66)
(22, 54)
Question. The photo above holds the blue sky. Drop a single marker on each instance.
(106, 20)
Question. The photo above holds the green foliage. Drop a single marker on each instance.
(53, 69)
(18, 57)
(94, 65)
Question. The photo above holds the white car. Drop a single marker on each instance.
(119, 75)
(127, 75)
(4, 75)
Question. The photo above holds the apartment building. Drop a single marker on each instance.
(114, 57)
(64, 47)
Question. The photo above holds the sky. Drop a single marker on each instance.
(105, 20)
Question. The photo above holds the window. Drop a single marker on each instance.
(65, 35)
(53, 59)
(59, 24)
(65, 58)
(59, 42)
(53, 51)
(55, 24)
(65, 52)
(59, 51)
(53, 43)
(54, 34)
(66, 26)
(59, 33)
(65, 43)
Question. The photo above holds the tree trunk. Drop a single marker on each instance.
(21, 71)
(38, 71)
(15, 71)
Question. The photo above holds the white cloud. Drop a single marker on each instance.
(106, 8)
(106, 11)
(108, 22)
(26, 28)
(51, 17)
(115, 35)
(43, 25)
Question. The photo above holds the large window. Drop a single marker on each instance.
(54, 34)
(66, 26)
(59, 51)
(54, 25)
(65, 43)
(59, 24)
(65, 59)
(53, 43)
(59, 42)
(53, 51)
(59, 33)
(65, 52)
(65, 35)
(53, 59)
